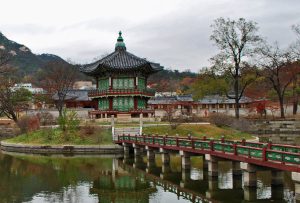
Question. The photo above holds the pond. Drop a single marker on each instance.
(38, 179)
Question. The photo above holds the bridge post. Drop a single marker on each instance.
(236, 168)
(249, 170)
(250, 193)
(126, 148)
(212, 165)
(277, 178)
(150, 154)
(185, 160)
(212, 186)
(165, 156)
(137, 150)
(296, 179)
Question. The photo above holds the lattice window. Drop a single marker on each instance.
(141, 83)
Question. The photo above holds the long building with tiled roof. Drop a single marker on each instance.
(121, 86)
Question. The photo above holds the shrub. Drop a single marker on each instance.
(87, 130)
(68, 121)
(28, 123)
(222, 120)
(46, 118)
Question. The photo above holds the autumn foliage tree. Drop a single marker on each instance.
(276, 68)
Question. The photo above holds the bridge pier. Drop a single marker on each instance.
(277, 178)
(150, 154)
(126, 148)
(212, 186)
(165, 156)
(296, 179)
(212, 162)
(185, 178)
(249, 171)
(185, 160)
(236, 168)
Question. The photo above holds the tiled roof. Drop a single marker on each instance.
(76, 95)
(171, 99)
(120, 59)
(217, 99)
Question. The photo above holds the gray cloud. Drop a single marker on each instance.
(178, 38)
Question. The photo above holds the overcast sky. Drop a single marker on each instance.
(174, 33)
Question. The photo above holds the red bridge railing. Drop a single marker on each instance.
(284, 157)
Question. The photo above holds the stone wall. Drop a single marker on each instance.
(8, 131)
(283, 132)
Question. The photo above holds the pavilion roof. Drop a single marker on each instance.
(120, 60)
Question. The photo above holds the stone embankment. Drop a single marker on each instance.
(61, 149)
(284, 132)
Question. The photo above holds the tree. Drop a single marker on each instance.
(237, 40)
(276, 64)
(12, 100)
(57, 78)
(295, 47)
(208, 83)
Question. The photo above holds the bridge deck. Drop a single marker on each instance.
(282, 157)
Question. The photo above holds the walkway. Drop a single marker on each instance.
(276, 156)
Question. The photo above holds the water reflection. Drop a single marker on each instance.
(31, 178)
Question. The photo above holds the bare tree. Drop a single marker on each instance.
(12, 100)
(57, 78)
(276, 64)
(236, 40)
(295, 47)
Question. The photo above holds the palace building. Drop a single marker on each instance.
(121, 83)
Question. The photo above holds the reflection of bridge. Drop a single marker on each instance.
(246, 157)
(169, 186)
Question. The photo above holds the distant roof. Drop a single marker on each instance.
(76, 95)
(217, 99)
(171, 99)
(120, 60)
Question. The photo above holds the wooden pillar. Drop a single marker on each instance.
(110, 82)
(135, 103)
(110, 103)
(97, 83)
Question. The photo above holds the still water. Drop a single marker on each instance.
(38, 179)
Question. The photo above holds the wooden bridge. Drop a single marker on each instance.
(247, 157)
(282, 157)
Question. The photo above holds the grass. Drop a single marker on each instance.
(103, 135)
(58, 137)
(209, 130)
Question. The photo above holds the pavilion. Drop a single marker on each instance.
(121, 83)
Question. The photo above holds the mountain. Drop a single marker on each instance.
(26, 61)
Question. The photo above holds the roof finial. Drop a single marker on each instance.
(120, 45)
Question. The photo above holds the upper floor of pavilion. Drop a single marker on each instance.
(121, 62)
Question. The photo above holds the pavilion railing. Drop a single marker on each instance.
(146, 91)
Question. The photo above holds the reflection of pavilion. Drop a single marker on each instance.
(120, 186)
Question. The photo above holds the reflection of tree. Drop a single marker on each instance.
(22, 177)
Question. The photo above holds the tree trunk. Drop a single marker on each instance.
(236, 95)
(237, 109)
(295, 106)
(295, 95)
(281, 107)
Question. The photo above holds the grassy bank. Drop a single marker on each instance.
(209, 130)
(103, 135)
(58, 137)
